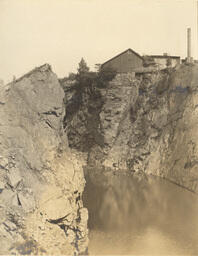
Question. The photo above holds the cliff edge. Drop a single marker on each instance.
(41, 182)
(145, 124)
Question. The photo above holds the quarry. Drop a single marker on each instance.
(83, 168)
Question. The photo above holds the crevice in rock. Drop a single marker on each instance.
(54, 113)
(49, 124)
(57, 221)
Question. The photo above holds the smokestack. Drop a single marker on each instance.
(189, 45)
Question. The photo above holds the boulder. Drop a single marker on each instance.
(35, 161)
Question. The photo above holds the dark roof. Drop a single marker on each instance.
(164, 56)
(123, 53)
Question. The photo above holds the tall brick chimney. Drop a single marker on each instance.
(189, 59)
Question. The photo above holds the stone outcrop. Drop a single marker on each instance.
(41, 181)
(145, 124)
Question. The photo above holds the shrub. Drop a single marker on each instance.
(107, 74)
(104, 76)
(86, 79)
(148, 61)
(72, 76)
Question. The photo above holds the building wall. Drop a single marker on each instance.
(163, 62)
(125, 63)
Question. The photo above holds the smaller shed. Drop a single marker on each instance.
(166, 60)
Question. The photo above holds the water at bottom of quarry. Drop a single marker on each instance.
(133, 215)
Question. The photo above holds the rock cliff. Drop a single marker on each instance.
(146, 124)
(142, 124)
(41, 181)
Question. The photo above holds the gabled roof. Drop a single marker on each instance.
(123, 53)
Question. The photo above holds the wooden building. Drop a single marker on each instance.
(124, 62)
(164, 60)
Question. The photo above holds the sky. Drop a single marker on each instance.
(61, 32)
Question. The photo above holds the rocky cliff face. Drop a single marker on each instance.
(41, 182)
(145, 124)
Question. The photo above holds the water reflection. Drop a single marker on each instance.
(133, 215)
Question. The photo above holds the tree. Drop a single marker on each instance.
(148, 61)
(84, 77)
(71, 76)
(169, 62)
(83, 68)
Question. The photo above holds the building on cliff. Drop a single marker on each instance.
(165, 60)
(125, 62)
(129, 61)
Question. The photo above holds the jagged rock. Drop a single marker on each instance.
(147, 124)
(26, 201)
(39, 175)
(2, 186)
(57, 206)
(14, 178)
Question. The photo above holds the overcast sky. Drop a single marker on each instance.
(60, 32)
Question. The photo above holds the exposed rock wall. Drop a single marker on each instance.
(41, 182)
(147, 124)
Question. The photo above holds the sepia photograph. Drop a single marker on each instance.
(99, 127)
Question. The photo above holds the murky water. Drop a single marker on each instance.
(148, 216)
